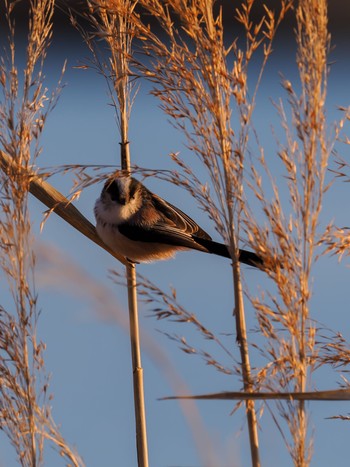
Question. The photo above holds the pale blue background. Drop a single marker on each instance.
(88, 356)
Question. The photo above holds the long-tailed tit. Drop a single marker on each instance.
(143, 227)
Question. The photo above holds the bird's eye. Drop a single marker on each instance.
(113, 190)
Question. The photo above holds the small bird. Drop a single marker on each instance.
(141, 226)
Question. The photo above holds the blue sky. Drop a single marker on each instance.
(88, 354)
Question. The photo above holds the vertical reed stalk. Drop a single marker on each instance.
(111, 20)
(313, 44)
(291, 336)
(139, 402)
(137, 370)
(241, 332)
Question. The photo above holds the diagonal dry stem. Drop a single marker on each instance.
(57, 203)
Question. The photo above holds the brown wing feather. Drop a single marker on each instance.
(180, 220)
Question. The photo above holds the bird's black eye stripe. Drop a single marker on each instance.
(132, 188)
(113, 189)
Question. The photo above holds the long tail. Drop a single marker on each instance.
(247, 257)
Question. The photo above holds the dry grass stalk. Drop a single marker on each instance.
(110, 20)
(331, 395)
(289, 239)
(25, 414)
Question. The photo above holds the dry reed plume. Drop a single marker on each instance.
(284, 319)
(24, 107)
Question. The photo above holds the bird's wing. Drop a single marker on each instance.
(173, 227)
(160, 234)
(179, 219)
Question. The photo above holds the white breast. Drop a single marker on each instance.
(108, 216)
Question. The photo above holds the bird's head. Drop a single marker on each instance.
(122, 196)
